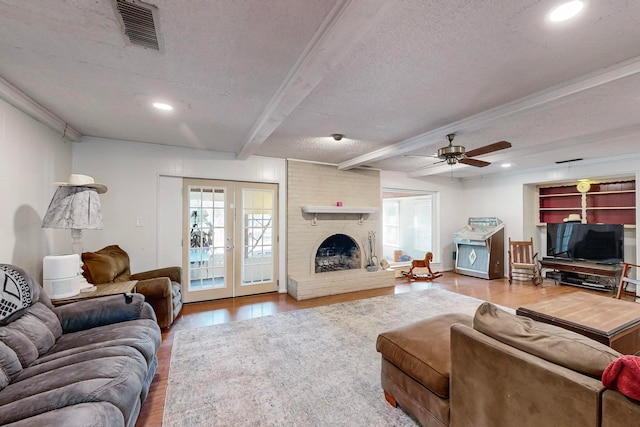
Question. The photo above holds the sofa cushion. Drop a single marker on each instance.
(102, 311)
(9, 365)
(32, 334)
(142, 335)
(94, 414)
(115, 378)
(549, 342)
(109, 264)
(618, 410)
(421, 350)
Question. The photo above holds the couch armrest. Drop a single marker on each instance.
(102, 311)
(159, 287)
(493, 383)
(173, 273)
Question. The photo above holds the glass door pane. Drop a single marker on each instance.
(257, 249)
(231, 234)
(257, 253)
(207, 260)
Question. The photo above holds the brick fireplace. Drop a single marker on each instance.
(325, 251)
(337, 252)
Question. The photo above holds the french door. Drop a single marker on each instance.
(229, 239)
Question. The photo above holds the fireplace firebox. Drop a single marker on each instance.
(337, 252)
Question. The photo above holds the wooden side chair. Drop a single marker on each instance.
(625, 279)
(523, 262)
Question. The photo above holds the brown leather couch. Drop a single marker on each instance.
(161, 287)
(416, 367)
(502, 370)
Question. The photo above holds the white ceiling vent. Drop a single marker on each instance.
(139, 21)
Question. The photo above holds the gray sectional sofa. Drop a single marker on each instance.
(89, 363)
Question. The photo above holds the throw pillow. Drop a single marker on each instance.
(623, 374)
(549, 342)
(16, 292)
(109, 264)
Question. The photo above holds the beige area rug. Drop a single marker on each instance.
(312, 367)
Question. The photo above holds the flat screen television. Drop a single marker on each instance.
(586, 242)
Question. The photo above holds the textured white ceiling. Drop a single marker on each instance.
(277, 77)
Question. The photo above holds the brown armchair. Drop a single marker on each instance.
(161, 287)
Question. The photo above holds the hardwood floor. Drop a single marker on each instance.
(222, 311)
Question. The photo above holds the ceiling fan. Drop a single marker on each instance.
(453, 154)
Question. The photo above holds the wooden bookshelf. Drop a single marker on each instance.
(605, 202)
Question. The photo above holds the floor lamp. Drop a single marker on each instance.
(76, 206)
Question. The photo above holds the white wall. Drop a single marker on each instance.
(144, 200)
(141, 186)
(142, 180)
(33, 157)
(451, 202)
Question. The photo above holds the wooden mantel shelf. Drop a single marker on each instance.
(315, 210)
(338, 210)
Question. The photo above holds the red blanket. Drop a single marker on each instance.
(623, 374)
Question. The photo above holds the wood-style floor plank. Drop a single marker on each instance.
(222, 311)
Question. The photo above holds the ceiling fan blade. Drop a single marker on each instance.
(496, 146)
(424, 156)
(474, 162)
(431, 165)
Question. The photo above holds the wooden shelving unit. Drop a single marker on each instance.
(584, 274)
(604, 202)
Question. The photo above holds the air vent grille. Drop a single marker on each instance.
(139, 25)
(559, 162)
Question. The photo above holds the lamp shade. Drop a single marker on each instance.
(74, 208)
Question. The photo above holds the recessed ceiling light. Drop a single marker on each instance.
(506, 165)
(566, 11)
(162, 106)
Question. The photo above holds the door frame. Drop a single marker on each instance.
(233, 238)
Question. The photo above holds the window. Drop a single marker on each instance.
(258, 235)
(408, 224)
(422, 237)
(390, 223)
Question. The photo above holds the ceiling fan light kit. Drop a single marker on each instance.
(452, 153)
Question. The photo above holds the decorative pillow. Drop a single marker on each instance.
(109, 264)
(549, 342)
(17, 292)
(623, 374)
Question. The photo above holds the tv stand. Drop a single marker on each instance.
(591, 275)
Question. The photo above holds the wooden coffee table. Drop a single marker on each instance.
(610, 321)
(101, 290)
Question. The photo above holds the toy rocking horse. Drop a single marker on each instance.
(422, 263)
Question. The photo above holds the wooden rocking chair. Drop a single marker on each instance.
(523, 262)
(422, 263)
(625, 280)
